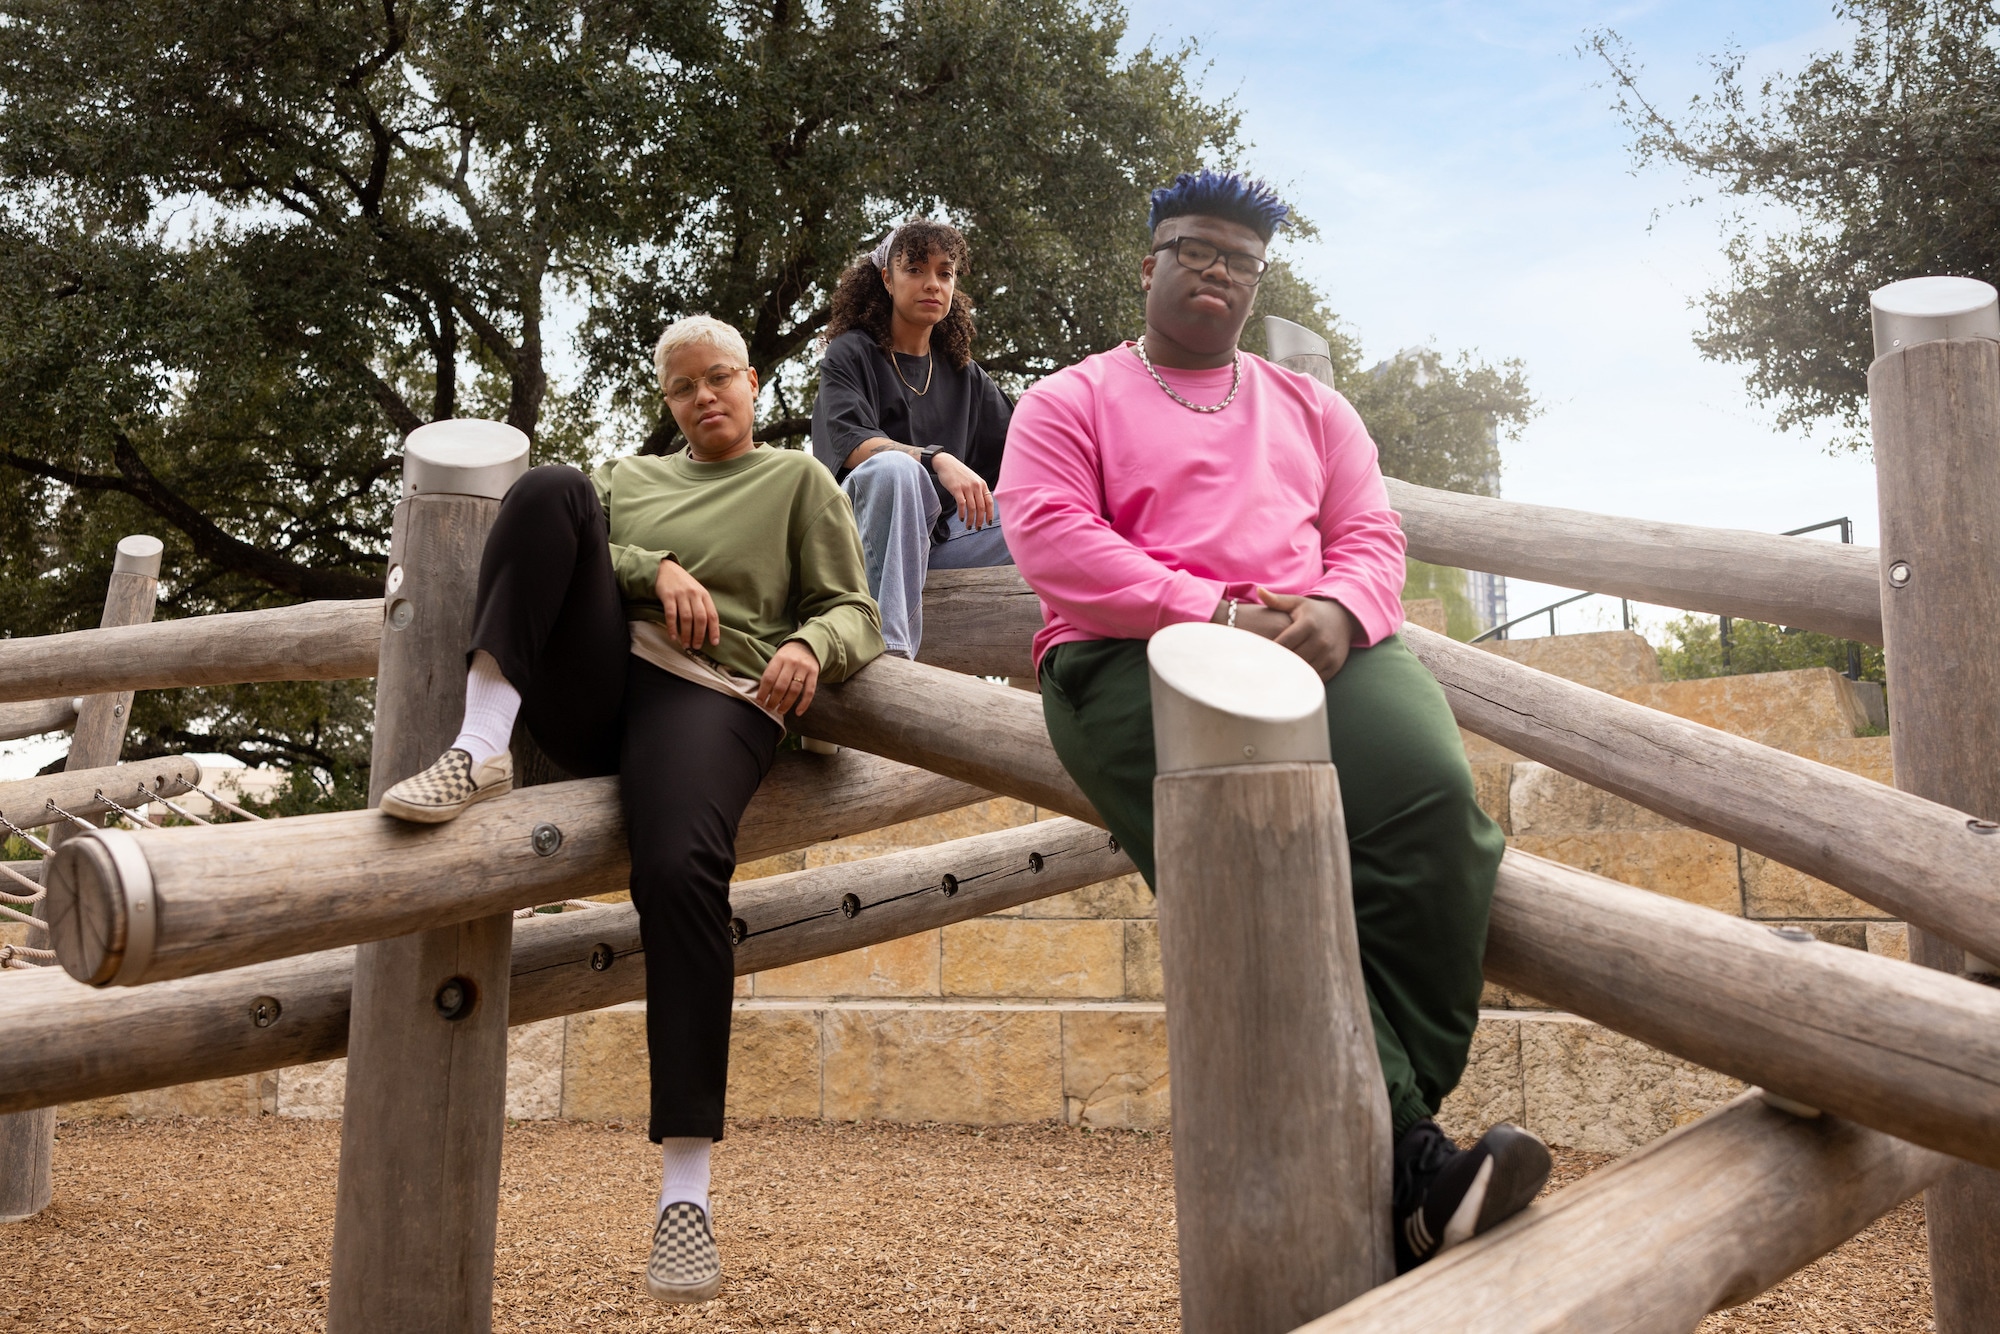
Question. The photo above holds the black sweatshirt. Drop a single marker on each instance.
(861, 397)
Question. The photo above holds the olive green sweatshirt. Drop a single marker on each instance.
(768, 534)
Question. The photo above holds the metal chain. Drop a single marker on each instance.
(1235, 380)
(78, 820)
(133, 816)
(25, 836)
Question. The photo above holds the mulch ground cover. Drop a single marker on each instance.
(194, 1224)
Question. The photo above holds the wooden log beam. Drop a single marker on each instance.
(34, 717)
(1930, 865)
(1797, 581)
(1702, 1219)
(229, 895)
(1902, 1049)
(977, 621)
(67, 1042)
(313, 641)
(25, 801)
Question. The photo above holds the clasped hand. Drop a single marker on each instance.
(1317, 629)
(792, 675)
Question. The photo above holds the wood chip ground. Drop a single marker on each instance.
(826, 1229)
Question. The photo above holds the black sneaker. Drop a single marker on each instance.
(1445, 1194)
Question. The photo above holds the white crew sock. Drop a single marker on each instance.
(684, 1172)
(490, 706)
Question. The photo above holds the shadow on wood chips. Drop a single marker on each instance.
(826, 1229)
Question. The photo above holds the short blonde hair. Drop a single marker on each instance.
(696, 331)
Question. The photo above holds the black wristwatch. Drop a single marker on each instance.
(928, 457)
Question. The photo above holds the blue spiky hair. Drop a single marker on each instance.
(1220, 194)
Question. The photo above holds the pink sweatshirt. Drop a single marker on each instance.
(1126, 512)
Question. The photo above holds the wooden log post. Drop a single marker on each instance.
(1934, 406)
(34, 717)
(1281, 1122)
(27, 1140)
(415, 1207)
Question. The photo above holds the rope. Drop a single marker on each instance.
(13, 916)
(21, 956)
(229, 806)
(26, 837)
(133, 816)
(15, 875)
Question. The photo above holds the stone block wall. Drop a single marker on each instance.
(1052, 1011)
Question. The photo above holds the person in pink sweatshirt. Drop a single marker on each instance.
(1178, 478)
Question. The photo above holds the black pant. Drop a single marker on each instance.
(688, 759)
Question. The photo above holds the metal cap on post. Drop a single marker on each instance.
(1224, 697)
(1298, 348)
(463, 457)
(1281, 1119)
(1924, 310)
(138, 554)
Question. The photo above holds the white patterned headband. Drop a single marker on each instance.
(880, 255)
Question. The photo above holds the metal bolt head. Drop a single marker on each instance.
(601, 958)
(1983, 826)
(850, 906)
(455, 998)
(739, 931)
(264, 1011)
(401, 613)
(547, 839)
(395, 580)
(117, 710)
(1899, 573)
(1796, 934)
(1036, 862)
(1249, 752)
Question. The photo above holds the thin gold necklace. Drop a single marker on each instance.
(930, 365)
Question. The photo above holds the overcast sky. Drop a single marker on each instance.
(1473, 189)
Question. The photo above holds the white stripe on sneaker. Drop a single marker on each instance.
(1465, 1218)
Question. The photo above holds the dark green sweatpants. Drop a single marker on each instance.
(1424, 854)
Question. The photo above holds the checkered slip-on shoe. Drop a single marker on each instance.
(444, 790)
(685, 1266)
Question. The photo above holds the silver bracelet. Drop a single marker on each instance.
(1232, 613)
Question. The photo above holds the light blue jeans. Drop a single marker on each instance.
(896, 506)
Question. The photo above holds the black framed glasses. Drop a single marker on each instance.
(1199, 256)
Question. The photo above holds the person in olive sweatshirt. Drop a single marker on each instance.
(657, 620)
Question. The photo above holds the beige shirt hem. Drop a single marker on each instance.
(651, 642)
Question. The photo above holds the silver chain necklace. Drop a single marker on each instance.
(1235, 380)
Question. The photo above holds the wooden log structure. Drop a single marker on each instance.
(417, 1199)
(25, 801)
(1282, 1137)
(230, 895)
(1927, 863)
(1793, 581)
(67, 1042)
(34, 717)
(1913, 1054)
(1699, 1220)
(1934, 406)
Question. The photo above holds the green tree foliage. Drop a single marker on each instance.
(246, 248)
(1447, 585)
(1694, 648)
(1879, 160)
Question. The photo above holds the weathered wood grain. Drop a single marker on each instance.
(416, 1203)
(66, 1041)
(1702, 1219)
(981, 622)
(236, 894)
(1902, 1049)
(27, 1146)
(1281, 1124)
(34, 717)
(1935, 410)
(1924, 862)
(25, 800)
(975, 731)
(1798, 581)
(313, 641)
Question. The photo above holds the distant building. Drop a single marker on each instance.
(1488, 591)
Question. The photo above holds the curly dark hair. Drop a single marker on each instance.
(861, 300)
